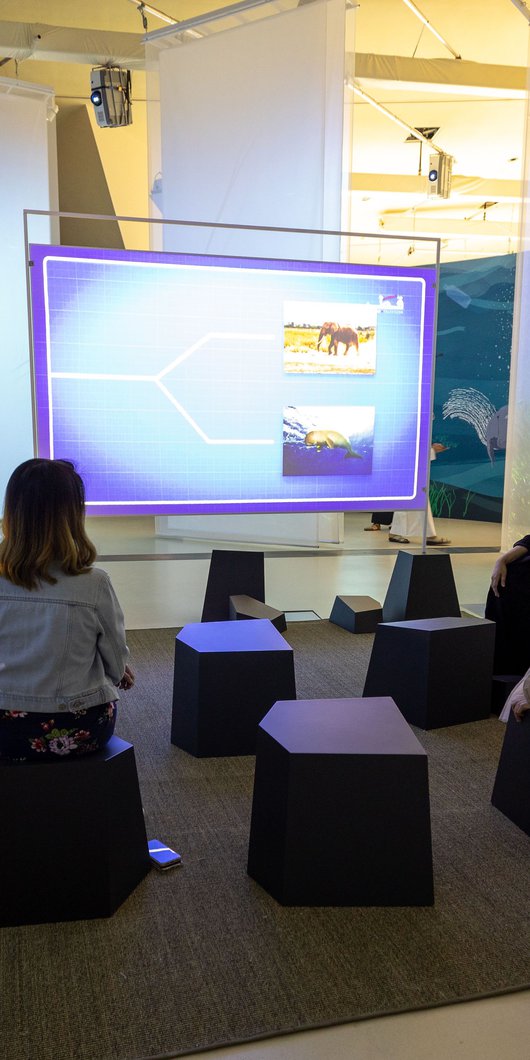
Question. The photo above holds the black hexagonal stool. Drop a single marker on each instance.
(72, 838)
(243, 608)
(340, 813)
(357, 614)
(438, 670)
(227, 676)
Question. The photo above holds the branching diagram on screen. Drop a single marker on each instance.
(189, 384)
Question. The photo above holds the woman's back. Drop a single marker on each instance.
(62, 635)
(62, 644)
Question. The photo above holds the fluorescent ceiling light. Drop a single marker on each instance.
(442, 89)
(415, 10)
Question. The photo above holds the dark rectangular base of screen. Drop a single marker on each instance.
(421, 586)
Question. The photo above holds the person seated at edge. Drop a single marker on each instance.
(518, 701)
(508, 605)
(62, 638)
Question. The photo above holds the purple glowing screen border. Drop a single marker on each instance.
(163, 377)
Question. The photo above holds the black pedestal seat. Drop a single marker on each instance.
(511, 791)
(438, 670)
(72, 837)
(227, 676)
(232, 573)
(246, 607)
(340, 812)
(357, 614)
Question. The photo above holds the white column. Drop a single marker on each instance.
(516, 507)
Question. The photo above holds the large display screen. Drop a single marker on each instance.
(188, 384)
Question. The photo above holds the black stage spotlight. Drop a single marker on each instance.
(111, 96)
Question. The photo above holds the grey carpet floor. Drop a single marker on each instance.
(202, 955)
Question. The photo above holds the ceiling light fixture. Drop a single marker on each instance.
(437, 88)
(393, 117)
(416, 11)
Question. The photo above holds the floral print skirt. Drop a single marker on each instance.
(29, 736)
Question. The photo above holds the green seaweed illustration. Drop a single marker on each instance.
(442, 498)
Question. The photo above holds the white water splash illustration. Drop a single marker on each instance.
(470, 405)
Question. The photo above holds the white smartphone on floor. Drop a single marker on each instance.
(162, 856)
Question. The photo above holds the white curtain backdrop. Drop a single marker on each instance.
(28, 178)
(251, 128)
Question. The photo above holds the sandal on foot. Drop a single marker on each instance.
(374, 526)
(400, 540)
(438, 541)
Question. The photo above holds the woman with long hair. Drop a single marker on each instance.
(63, 654)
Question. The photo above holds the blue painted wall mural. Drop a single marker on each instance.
(474, 334)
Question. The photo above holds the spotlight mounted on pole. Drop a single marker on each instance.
(110, 94)
(440, 174)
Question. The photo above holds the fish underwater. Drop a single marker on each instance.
(330, 440)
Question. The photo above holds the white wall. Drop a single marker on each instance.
(28, 179)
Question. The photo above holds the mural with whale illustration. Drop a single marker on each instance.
(474, 338)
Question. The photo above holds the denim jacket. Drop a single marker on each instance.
(62, 646)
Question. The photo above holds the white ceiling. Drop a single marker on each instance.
(483, 128)
(480, 111)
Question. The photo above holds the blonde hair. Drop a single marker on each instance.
(44, 523)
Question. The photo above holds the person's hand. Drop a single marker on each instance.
(498, 576)
(127, 680)
(520, 706)
(439, 448)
